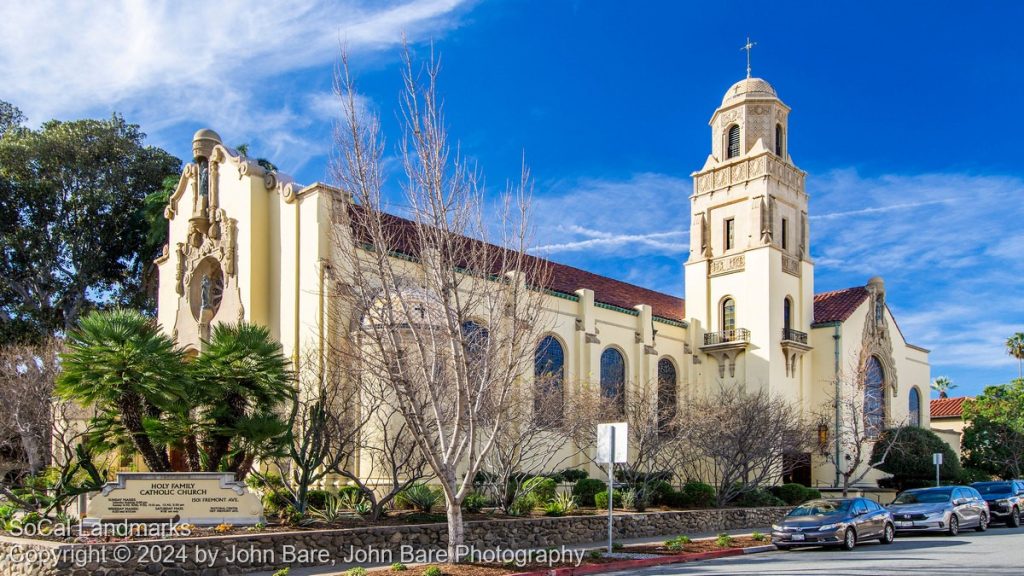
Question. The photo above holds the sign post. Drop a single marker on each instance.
(937, 460)
(612, 443)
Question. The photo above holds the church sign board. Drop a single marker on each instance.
(200, 498)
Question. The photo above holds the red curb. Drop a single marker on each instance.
(626, 564)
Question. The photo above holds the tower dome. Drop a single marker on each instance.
(748, 88)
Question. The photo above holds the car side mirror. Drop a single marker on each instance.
(959, 501)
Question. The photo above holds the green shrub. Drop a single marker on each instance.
(357, 571)
(276, 500)
(601, 499)
(971, 475)
(7, 512)
(268, 481)
(617, 546)
(399, 567)
(560, 505)
(792, 493)
(585, 488)
(317, 498)
(474, 502)
(658, 492)
(635, 499)
(678, 543)
(910, 458)
(433, 571)
(573, 475)
(756, 498)
(540, 489)
(811, 494)
(697, 495)
(521, 506)
(282, 572)
(418, 496)
(723, 540)
(758, 536)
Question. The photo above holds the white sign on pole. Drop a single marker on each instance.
(604, 442)
(937, 458)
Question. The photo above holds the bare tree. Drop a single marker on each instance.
(739, 440)
(652, 436)
(856, 414)
(388, 459)
(445, 320)
(324, 429)
(533, 440)
(27, 376)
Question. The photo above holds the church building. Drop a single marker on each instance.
(248, 244)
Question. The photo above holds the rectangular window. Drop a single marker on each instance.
(785, 234)
(730, 233)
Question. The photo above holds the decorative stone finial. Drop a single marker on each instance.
(203, 143)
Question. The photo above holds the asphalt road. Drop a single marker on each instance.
(998, 551)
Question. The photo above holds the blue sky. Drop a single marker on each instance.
(905, 116)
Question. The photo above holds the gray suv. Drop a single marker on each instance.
(943, 509)
(1005, 500)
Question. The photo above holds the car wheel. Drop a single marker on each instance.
(888, 534)
(1014, 520)
(982, 523)
(954, 525)
(850, 539)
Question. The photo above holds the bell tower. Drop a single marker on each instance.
(749, 277)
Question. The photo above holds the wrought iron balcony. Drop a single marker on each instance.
(737, 335)
(794, 336)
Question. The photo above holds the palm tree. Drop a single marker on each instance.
(121, 362)
(943, 385)
(245, 376)
(1015, 348)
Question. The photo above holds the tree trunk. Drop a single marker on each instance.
(456, 530)
(132, 421)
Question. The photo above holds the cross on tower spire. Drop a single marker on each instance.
(748, 46)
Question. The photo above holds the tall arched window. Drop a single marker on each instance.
(915, 407)
(549, 380)
(728, 314)
(787, 314)
(613, 376)
(874, 397)
(667, 386)
(734, 142)
(778, 140)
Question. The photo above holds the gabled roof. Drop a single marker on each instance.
(559, 278)
(948, 407)
(838, 305)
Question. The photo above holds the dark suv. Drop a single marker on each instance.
(1005, 500)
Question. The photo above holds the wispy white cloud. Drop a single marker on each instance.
(224, 63)
(642, 214)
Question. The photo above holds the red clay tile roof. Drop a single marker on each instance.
(947, 407)
(560, 277)
(838, 305)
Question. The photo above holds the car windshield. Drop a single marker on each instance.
(925, 497)
(821, 507)
(998, 488)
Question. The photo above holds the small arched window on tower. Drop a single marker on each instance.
(667, 385)
(778, 140)
(728, 315)
(734, 142)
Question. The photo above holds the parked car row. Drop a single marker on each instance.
(846, 521)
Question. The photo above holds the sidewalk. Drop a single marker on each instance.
(339, 569)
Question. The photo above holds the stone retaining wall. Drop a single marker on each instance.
(270, 551)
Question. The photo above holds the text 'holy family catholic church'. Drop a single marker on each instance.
(247, 244)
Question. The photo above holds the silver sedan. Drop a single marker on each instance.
(945, 509)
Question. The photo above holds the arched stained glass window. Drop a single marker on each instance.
(549, 380)
(667, 387)
(734, 142)
(874, 397)
(613, 376)
(915, 407)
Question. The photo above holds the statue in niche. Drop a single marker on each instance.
(705, 236)
(204, 179)
(205, 302)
